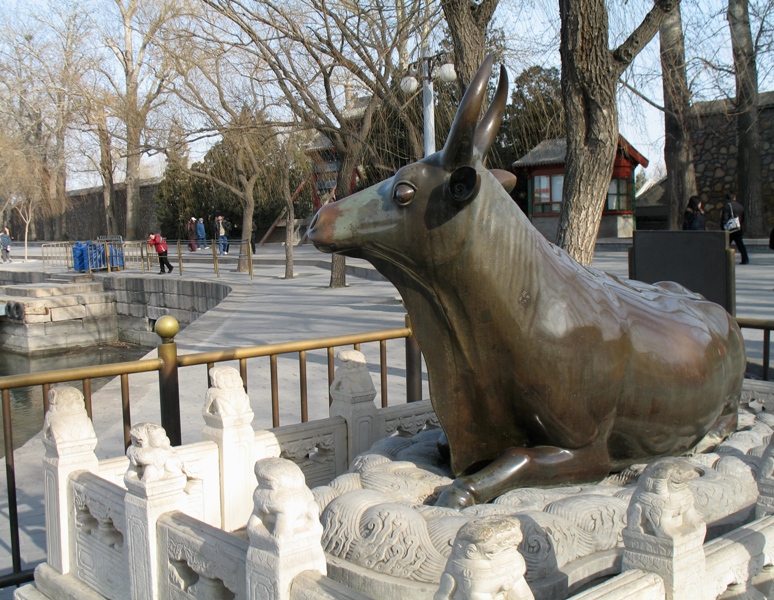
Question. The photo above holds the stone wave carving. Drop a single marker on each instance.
(379, 516)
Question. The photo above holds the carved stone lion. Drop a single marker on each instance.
(485, 563)
(151, 456)
(66, 419)
(227, 395)
(284, 506)
(663, 505)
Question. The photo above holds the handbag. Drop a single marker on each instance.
(733, 224)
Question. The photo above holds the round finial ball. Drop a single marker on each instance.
(167, 327)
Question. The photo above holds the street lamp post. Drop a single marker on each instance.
(410, 85)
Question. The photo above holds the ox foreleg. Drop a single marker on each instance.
(524, 467)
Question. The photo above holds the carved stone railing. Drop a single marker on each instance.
(190, 522)
(201, 561)
(98, 526)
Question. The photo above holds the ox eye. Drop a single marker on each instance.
(403, 194)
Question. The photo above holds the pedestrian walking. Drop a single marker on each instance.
(222, 229)
(160, 246)
(732, 218)
(5, 245)
(190, 230)
(201, 235)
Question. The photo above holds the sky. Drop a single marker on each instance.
(532, 29)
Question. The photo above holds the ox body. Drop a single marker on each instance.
(542, 371)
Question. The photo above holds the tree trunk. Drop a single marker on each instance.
(133, 153)
(678, 144)
(591, 110)
(343, 189)
(290, 224)
(106, 173)
(749, 153)
(590, 73)
(468, 23)
(247, 224)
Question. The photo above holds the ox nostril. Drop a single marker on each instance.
(315, 219)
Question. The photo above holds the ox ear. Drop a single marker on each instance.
(459, 146)
(506, 179)
(463, 185)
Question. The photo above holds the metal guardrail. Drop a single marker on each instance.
(140, 256)
(167, 365)
(766, 326)
(57, 254)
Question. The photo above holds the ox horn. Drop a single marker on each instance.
(489, 126)
(458, 149)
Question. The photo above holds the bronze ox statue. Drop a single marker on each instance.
(542, 371)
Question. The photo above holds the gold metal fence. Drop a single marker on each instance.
(167, 364)
(112, 256)
(57, 254)
(765, 325)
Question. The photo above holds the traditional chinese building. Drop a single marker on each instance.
(543, 169)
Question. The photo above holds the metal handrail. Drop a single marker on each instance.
(766, 325)
(167, 365)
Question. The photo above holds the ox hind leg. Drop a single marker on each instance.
(525, 467)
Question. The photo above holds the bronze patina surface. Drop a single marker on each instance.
(542, 371)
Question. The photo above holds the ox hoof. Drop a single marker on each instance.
(455, 497)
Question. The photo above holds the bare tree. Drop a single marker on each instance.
(468, 22)
(135, 43)
(678, 144)
(221, 94)
(749, 145)
(323, 54)
(590, 73)
(44, 61)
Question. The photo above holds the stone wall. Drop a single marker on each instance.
(715, 145)
(140, 301)
(47, 318)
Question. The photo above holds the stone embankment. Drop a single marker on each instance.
(44, 317)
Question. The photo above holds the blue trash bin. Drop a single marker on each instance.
(80, 262)
(116, 256)
(96, 254)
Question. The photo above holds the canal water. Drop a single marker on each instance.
(27, 403)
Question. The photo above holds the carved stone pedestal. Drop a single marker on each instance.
(284, 531)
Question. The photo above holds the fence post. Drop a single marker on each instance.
(167, 328)
(413, 366)
(228, 417)
(69, 441)
(664, 533)
(155, 485)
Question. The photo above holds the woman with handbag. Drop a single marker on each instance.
(732, 218)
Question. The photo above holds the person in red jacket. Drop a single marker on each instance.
(159, 245)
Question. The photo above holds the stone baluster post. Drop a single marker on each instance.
(284, 531)
(69, 440)
(353, 394)
(765, 503)
(228, 419)
(485, 562)
(156, 484)
(664, 534)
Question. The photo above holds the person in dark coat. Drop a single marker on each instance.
(693, 218)
(190, 230)
(731, 209)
